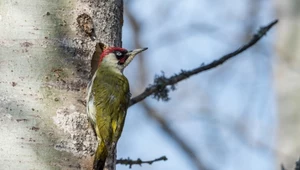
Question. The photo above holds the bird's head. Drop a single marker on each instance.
(117, 57)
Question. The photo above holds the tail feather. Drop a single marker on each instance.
(100, 157)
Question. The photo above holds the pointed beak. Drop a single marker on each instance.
(132, 54)
(136, 51)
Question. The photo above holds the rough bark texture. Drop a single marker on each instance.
(108, 19)
(45, 63)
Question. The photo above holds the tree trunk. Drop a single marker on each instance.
(287, 81)
(45, 64)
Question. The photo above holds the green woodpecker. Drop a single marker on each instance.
(108, 100)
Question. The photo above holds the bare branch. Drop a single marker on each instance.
(161, 83)
(130, 162)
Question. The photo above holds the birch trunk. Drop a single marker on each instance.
(45, 64)
(287, 81)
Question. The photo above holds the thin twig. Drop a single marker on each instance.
(185, 74)
(130, 162)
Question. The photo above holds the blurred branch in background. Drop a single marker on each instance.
(151, 111)
(137, 44)
(171, 133)
(160, 87)
(297, 167)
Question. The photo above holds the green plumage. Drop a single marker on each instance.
(108, 100)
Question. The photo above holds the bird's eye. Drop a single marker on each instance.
(118, 53)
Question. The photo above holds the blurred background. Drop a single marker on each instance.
(240, 115)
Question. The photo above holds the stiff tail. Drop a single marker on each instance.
(100, 156)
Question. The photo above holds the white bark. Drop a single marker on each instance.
(44, 68)
(287, 81)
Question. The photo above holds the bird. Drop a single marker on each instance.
(108, 99)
